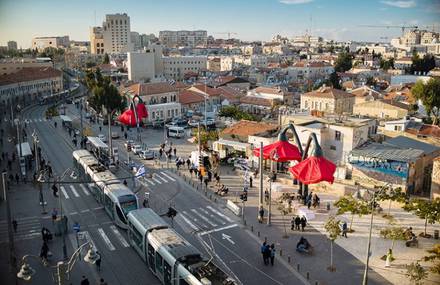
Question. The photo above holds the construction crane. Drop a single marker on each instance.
(403, 27)
(227, 33)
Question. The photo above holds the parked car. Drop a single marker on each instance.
(128, 144)
(193, 123)
(102, 138)
(137, 148)
(147, 154)
(115, 135)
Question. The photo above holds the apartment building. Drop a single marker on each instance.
(41, 43)
(13, 65)
(184, 38)
(328, 100)
(175, 67)
(30, 82)
(113, 37)
(145, 65)
(310, 70)
(12, 45)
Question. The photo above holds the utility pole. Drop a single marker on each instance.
(260, 192)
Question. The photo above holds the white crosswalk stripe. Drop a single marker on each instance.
(167, 176)
(157, 181)
(148, 181)
(74, 191)
(105, 238)
(212, 216)
(187, 221)
(203, 217)
(220, 214)
(64, 192)
(27, 228)
(119, 236)
(195, 220)
(157, 175)
(84, 189)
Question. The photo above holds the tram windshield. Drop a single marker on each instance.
(128, 203)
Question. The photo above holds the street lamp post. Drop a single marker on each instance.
(37, 171)
(367, 258)
(63, 269)
(273, 156)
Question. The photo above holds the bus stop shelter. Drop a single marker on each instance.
(26, 156)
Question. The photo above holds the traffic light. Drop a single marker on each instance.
(171, 212)
(243, 196)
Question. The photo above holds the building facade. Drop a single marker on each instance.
(328, 100)
(113, 37)
(41, 43)
(12, 45)
(175, 67)
(96, 40)
(183, 38)
(8, 66)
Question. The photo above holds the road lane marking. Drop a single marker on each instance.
(106, 239)
(166, 175)
(86, 235)
(218, 229)
(194, 227)
(64, 192)
(164, 180)
(228, 238)
(157, 181)
(73, 213)
(85, 211)
(74, 191)
(212, 216)
(84, 189)
(119, 236)
(195, 220)
(98, 208)
(204, 218)
(148, 181)
(220, 214)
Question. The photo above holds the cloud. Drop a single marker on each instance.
(400, 4)
(294, 2)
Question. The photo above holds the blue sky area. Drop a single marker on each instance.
(250, 19)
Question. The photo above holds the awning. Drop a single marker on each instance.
(96, 142)
(25, 149)
(236, 145)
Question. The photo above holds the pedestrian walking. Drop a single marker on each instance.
(14, 225)
(188, 163)
(261, 215)
(250, 181)
(98, 261)
(54, 215)
(206, 183)
(344, 229)
(209, 176)
(175, 151)
(200, 178)
(263, 249)
(272, 254)
(292, 223)
(297, 222)
(44, 251)
(303, 223)
(55, 191)
(85, 281)
(160, 152)
(309, 204)
(125, 135)
(266, 254)
(17, 178)
(100, 128)
(191, 172)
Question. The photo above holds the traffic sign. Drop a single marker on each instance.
(76, 227)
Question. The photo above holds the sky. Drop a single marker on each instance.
(340, 20)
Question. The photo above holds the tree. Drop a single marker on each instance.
(106, 59)
(396, 195)
(355, 207)
(387, 64)
(334, 230)
(429, 210)
(334, 80)
(435, 258)
(343, 62)
(393, 233)
(429, 94)
(236, 114)
(205, 136)
(416, 272)
(423, 65)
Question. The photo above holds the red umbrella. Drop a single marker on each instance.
(282, 148)
(314, 169)
(141, 111)
(128, 118)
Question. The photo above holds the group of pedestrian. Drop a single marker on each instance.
(268, 252)
(312, 199)
(298, 222)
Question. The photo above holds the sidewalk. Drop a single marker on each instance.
(349, 253)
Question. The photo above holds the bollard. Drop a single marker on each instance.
(258, 234)
(281, 252)
(307, 275)
(288, 259)
(297, 267)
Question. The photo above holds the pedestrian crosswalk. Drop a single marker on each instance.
(104, 237)
(27, 228)
(202, 219)
(157, 178)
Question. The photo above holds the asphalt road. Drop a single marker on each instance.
(208, 226)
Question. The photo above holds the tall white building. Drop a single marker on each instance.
(183, 38)
(41, 43)
(116, 33)
(146, 65)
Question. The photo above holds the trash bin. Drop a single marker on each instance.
(436, 234)
(328, 206)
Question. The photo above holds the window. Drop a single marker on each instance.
(337, 135)
(332, 147)
(159, 266)
(136, 237)
(398, 128)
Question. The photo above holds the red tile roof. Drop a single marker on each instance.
(365, 91)
(142, 89)
(29, 74)
(249, 128)
(327, 92)
(231, 94)
(210, 91)
(252, 100)
(190, 97)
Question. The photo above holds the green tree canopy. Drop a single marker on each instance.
(429, 94)
(235, 113)
(393, 233)
(429, 210)
(387, 64)
(434, 257)
(424, 64)
(343, 62)
(355, 207)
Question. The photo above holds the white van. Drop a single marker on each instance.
(176, 132)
